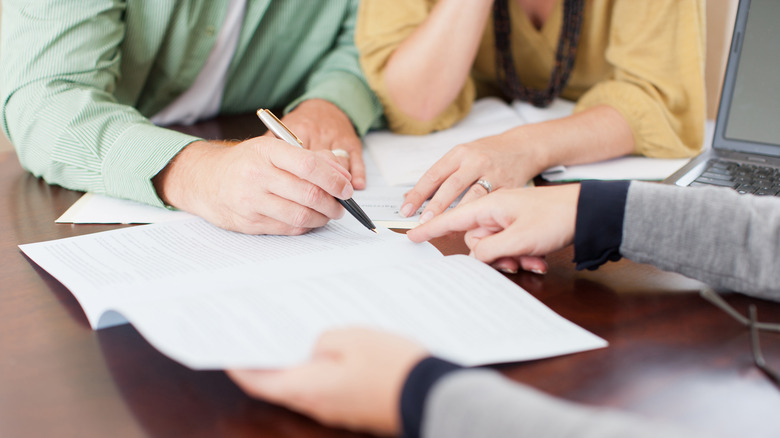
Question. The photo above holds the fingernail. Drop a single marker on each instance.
(428, 215)
(507, 270)
(538, 271)
(406, 210)
(347, 192)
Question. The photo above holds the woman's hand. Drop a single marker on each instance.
(353, 380)
(449, 35)
(511, 159)
(511, 228)
(504, 161)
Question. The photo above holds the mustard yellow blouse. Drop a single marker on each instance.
(643, 58)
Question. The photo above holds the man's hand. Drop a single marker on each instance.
(260, 186)
(511, 228)
(353, 380)
(321, 125)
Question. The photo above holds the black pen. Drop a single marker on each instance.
(283, 133)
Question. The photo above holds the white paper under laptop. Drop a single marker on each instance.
(745, 153)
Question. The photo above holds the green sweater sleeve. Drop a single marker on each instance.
(61, 64)
(339, 79)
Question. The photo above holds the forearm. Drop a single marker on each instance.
(481, 403)
(596, 134)
(714, 235)
(450, 35)
(60, 112)
(80, 141)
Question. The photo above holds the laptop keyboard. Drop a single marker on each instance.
(744, 178)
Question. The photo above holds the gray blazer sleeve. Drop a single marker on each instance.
(482, 403)
(724, 239)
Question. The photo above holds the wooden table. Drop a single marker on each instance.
(672, 355)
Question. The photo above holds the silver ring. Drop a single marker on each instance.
(340, 153)
(485, 184)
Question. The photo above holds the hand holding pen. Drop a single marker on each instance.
(283, 133)
(259, 186)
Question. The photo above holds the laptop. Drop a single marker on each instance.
(745, 152)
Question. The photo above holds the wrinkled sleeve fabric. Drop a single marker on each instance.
(482, 403)
(61, 63)
(657, 50)
(727, 240)
(382, 27)
(339, 79)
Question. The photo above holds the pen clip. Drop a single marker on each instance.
(263, 111)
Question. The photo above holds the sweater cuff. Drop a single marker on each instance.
(415, 391)
(599, 229)
(137, 155)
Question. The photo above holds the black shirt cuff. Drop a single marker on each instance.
(599, 230)
(415, 391)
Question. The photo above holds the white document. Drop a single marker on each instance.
(382, 202)
(93, 208)
(402, 159)
(623, 168)
(214, 299)
(558, 109)
(633, 167)
(385, 203)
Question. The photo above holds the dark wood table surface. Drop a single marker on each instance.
(671, 355)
